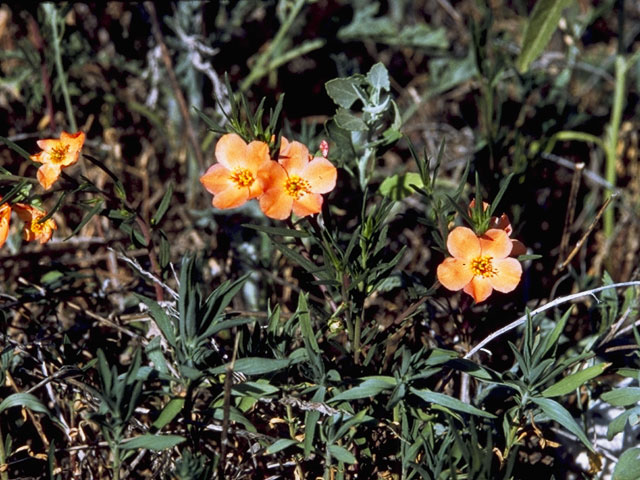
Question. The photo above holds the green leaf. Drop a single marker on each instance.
(96, 208)
(371, 387)
(400, 186)
(349, 121)
(308, 335)
(283, 232)
(558, 413)
(378, 77)
(342, 91)
(539, 29)
(152, 442)
(163, 321)
(617, 424)
(450, 402)
(280, 444)
(16, 148)
(622, 397)
(164, 205)
(255, 366)
(341, 454)
(24, 400)
(575, 380)
(628, 466)
(169, 412)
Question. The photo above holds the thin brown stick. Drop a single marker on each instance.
(175, 86)
(571, 209)
(576, 249)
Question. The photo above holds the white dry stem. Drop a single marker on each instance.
(554, 303)
(145, 273)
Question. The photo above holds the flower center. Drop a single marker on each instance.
(296, 186)
(59, 153)
(242, 177)
(37, 227)
(482, 266)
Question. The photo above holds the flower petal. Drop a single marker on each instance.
(454, 273)
(495, 243)
(231, 151)
(508, 276)
(321, 175)
(275, 203)
(48, 174)
(463, 243)
(518, 249)
(231, 197)
(257, 156)
(479, 288)
(307, 204)
(216, 179)
(5, 216)
(294, 158)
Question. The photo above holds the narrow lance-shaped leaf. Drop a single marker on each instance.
(539, 29)
(558, 413)
(573, 381)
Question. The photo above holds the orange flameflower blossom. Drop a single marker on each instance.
(33, 228)
(234, 179)
(296, 182)
(57, 154)
(5, 216)
(503, 223)
(479, 264)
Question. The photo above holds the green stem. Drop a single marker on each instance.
(52, 13)
(356, 337)
(611, 143)
(260, 69)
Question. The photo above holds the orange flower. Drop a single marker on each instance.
(503, 223)
(479, 264)
(33, 228)
(57, 154)
(234, 179)
(296, 182)
(5, 216)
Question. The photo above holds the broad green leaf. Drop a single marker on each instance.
(399, 186)
(254, 389)
(254, 366)
(558, 413)
(371, 387)
(349, 121)
(169, 412)
(573, 381)
(621, 397)
(280, 444)
(539, 29)
(617, 424)
(341, 454)
(342, 91)
(450, 402)
(378, 77)
(628, 466)
(152, 442)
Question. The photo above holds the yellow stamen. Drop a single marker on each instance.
(59, 153)
(296, 186)
(482, 266)
(242, 177)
